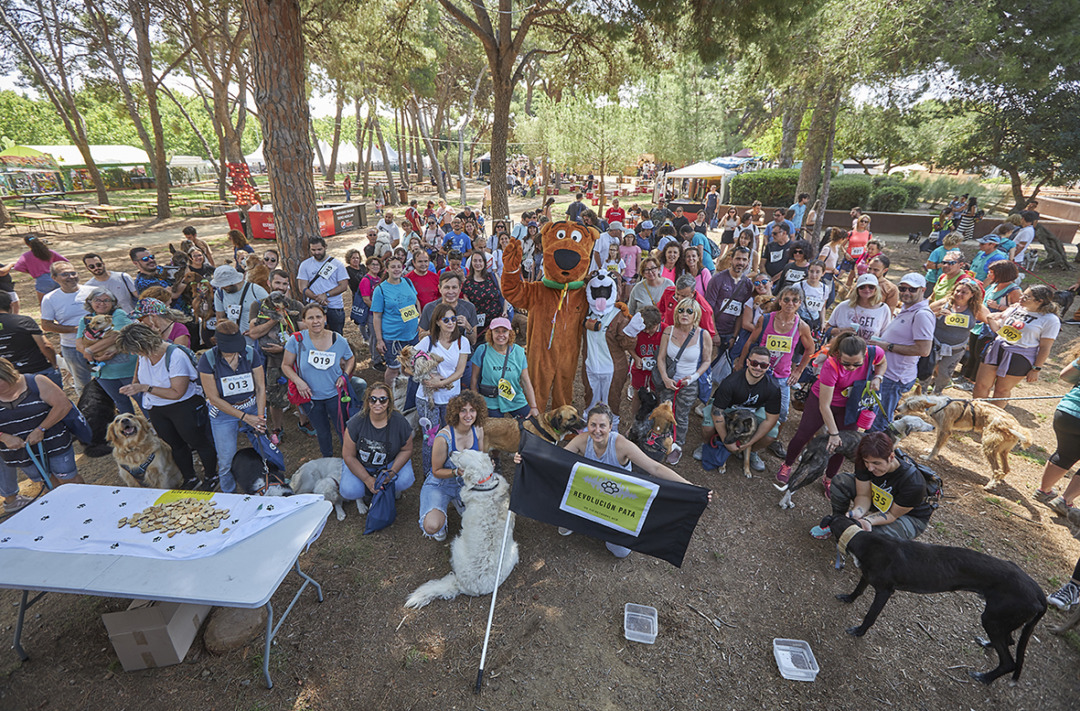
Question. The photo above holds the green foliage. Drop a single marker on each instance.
(773, 187)
(583, 133)
(848, 191)
(889, 198)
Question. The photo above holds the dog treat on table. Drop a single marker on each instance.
(183, 516)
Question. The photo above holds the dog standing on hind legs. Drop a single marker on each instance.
(1013, 599)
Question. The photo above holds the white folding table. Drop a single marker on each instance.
(244, 575)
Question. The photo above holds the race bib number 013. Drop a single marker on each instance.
(237, 384)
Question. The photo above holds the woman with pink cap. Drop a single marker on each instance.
(501, 373)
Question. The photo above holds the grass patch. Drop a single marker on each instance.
(414, 657)
(1055, 582)
(279, 659)
(348, 550)
(1072, 639)
(974, 543)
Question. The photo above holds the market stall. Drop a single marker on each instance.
(690, 184)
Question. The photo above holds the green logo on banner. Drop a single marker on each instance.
(614, 499)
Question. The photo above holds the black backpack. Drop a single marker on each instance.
(934, 485)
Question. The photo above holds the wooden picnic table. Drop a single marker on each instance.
(43, 220)
(66, 207)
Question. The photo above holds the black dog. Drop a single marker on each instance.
(1013, 599)
(741, 425)
(1064, 299)
(99, 410)
(255, 475)
(914, 237)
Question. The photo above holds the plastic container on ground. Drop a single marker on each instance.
(639, 623)
(795, 659)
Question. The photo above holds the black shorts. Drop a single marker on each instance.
(728, 237)
(1018, 365)
(1067, 431)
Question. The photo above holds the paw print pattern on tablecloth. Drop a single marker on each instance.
(114, 546)
(83, 538)
(44, 518)
(81, 506)
(170, 549)
(87, 521)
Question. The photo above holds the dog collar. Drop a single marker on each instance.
(846, 537)
(139, 472)
(560, 286)
(487, 478)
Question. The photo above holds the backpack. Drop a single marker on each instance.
(194, 359)
(934, 485)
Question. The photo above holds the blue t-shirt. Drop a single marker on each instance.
(234, 386)
(1070, 402)
(389, 300)
(769, 229)
(700, 240)
(459, 241)
(121, 365)
(982, 261)
(492, 369)
(935, 258)
(319, 369)
(797, 218)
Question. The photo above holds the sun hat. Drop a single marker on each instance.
(225, 275)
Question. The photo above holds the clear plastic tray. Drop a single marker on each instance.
(639, 623)
(795, 659)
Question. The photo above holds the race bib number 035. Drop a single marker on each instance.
(882, 499)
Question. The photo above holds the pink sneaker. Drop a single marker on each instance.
(784, 474)
(827, 483)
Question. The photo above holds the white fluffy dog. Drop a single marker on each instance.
(322, 476)
(474, 554)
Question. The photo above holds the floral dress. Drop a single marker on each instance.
(487, 299)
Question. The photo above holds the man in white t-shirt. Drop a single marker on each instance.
(233, 297)
(908, 337)
(61, 311)
(119, 284)
(323, 279)
(1024, 236)
(603, 243)
(387, 225)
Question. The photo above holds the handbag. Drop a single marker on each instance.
(866, 399)
(383, 508)
(74, 421)
(491, 390)
(361, 312)
(657, 377)
(927, 363)
(295, 398)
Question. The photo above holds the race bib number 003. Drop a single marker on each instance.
(321, 360)
(958, 320)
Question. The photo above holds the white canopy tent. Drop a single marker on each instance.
(700, 171)
(69, 156)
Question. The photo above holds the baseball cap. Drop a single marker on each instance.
(866, 279)
(989, 238)
(916, 280)
(500, 322)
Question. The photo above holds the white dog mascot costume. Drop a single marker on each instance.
(605, 366)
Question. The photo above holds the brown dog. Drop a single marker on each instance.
(654, 434)
(1000, 430)
(142, 458)
(257, 273)
(504, 433)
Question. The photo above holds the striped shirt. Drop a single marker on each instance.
(21, 417)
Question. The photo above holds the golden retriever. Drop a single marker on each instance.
(142, 458)
(504, 433)
(1000, 430)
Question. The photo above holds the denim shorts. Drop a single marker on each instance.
(438, 494)
(393, 350)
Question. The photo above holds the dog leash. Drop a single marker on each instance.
(40, 465)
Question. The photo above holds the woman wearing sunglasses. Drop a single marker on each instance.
(376, 438)
(864, 313)
(687, 353)
(447, 340)
(849, 361)
(798, 264)
(271, 259)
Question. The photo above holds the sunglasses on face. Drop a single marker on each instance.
(269, 259)
(684, 311)
(797, 251)
(448, 319)
(378, 399)
(950, 262)
(95, 266)
(757, 364)
(147, 258)
(762, 283)
(905, 289)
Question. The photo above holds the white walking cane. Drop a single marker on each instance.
(491, 612)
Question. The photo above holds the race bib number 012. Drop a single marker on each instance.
(778, 344)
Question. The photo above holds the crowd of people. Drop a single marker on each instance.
(759, 316)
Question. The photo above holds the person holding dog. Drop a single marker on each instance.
(686, 352)
(465, 417)
(376, 439)
(850, 361)
(885, 495)
(1025, 334)
(753, 388)
(111, 369)
(448, 342)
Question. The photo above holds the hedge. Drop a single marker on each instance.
(772, 186)
(848, 191)
(888, 198)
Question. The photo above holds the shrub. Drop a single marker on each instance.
(888, 198)
(848, 191)
(774, 187)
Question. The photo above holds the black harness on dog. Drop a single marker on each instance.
(543, 432)
(963, 411)
(268, 481)
(139, 472)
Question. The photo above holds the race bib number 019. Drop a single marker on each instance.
(321, 360)
(778, 344)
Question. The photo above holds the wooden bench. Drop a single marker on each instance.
(52, 221)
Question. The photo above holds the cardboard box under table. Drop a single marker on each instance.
(154, 634)
(68, 541)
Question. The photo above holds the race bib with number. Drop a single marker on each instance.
(733, 308)
(794, 275)
(815, 305)
(480, 319)
(1011, 334)
(232, 312)
(241, 384)
(778, 344)
(408, 313)
(777, 256)
(958, 320)
(882, 499)
(857, 251)
(321, 360)
(648, 363)
(211, 324)
(506, 389)
(327, 269)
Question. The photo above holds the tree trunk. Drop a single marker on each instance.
(1017, 185)
(420, 171)
(318, 148)
(503, 91)
(5, 217)
(280, 72)
(820, 221)
(435, 168)
(140, 20)
(403, 147)
(790, 124)
(393, 200)
(361, 128)
(816, 140)
(465, 121)
(370, 145)
(332, 175)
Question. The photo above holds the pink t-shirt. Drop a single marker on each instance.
(178, 330)
(630, 256)
(35, 267)
(841, 378)
(367, 285)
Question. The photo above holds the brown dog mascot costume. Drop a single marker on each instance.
(557, 307)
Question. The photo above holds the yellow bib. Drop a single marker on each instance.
(778, 344)
(883, 500)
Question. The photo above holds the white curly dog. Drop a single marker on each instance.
(323, 476)
(474, 554)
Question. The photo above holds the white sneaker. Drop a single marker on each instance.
(441, 535)
(700, 409)
(565, 531)
(697, 452)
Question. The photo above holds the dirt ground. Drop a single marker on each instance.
(557, 641)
